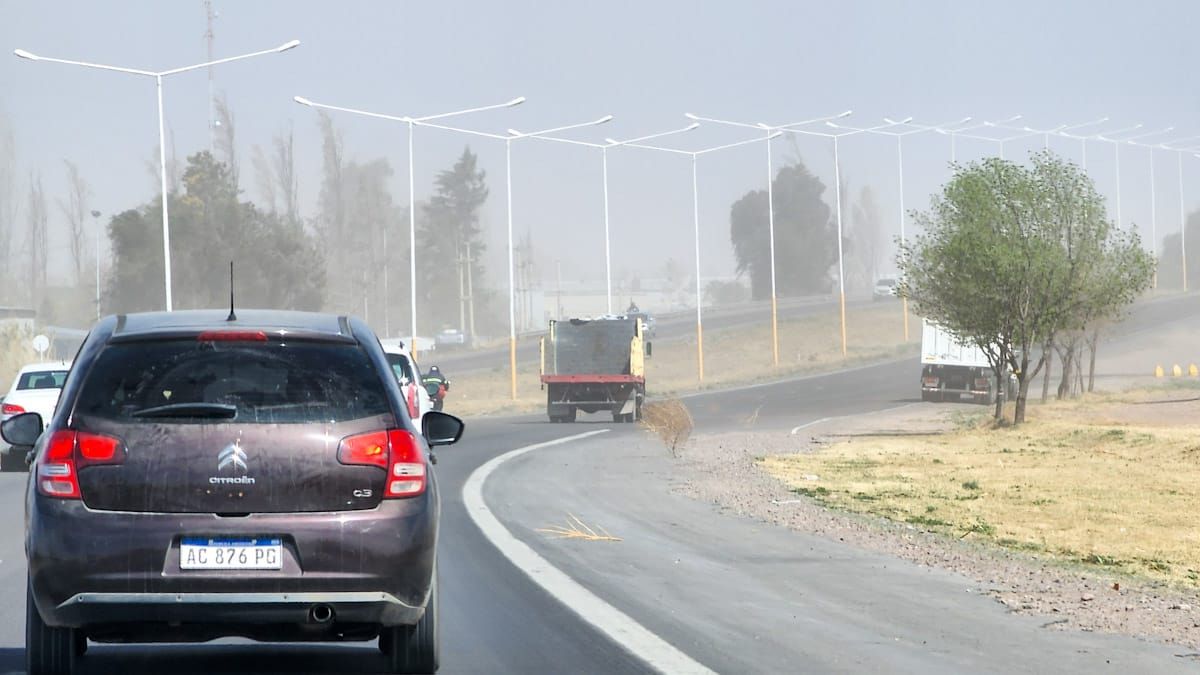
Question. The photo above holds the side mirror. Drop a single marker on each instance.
(22, 430)
(440, 428)
(649, 349)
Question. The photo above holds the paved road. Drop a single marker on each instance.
(495, 619)
(826, 608)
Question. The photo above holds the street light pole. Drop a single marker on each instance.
(1153, 196)
(604, 165)
(954, 133)
(699, 304)
(1175, 147)
(837, 177)
(412, 199)
(162, 151)
(916, 128)
(512, 291)
(694, 154)
(771, 210)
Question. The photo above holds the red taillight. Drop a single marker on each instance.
(97, 449)
(232, 336)
(396, 451)
(11, 409)
(406, 471)
(931, 381)
(68, 451)
(983, 383)
(365, 449)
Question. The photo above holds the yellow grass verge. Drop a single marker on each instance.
(731, 357)
(1103, 481)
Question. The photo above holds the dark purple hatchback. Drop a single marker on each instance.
(258, 477)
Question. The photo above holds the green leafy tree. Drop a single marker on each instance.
(451, 243)
(277, 263)
(805, 235)
(1010, 258)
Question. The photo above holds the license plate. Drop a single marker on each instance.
(203, 553)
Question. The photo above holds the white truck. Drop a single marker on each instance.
(953, 371)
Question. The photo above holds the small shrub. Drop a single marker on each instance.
(670, 421)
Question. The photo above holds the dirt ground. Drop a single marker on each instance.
(732, 357)
(1068, 594)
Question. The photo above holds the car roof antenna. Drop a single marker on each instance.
(232, 316)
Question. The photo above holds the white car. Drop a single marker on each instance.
(884, 289)
(35, 389)
(407, 372)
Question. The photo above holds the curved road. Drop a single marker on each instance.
(717, 607)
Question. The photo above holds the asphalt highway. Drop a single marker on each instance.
(733, 595)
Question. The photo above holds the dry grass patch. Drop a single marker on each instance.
(733, 356)
(807, 345)
(1077, 482)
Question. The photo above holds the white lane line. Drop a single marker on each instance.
(623, 630)
(797, 429)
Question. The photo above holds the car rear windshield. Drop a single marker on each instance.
(265, 382)
(42, 379)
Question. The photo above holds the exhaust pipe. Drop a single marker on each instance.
(320, 614)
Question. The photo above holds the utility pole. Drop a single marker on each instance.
(209, 15)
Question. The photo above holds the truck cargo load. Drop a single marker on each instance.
(594, 365)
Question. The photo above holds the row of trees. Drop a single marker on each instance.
(1022, 262)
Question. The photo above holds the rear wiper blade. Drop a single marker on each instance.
(211, 410)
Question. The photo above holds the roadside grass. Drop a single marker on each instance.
(1075, 483)
(732, 356)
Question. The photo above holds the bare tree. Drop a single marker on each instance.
(868, 234)
(332, 195)
(75, 209)
(8, 199)
(227, 138)
(264, 178)
(38, 247)
(285, 174)
(153, 168)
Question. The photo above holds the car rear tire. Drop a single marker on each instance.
(49, 650)
(415, 649)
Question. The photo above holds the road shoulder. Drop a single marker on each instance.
(745, 595)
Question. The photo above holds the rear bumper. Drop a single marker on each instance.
(91, 568)
(233, 608)
(934, 393)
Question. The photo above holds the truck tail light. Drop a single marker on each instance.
(983, 383)
(395, 451)
(69, 451)
(929, 381)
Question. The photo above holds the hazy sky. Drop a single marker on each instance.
(644, 62)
